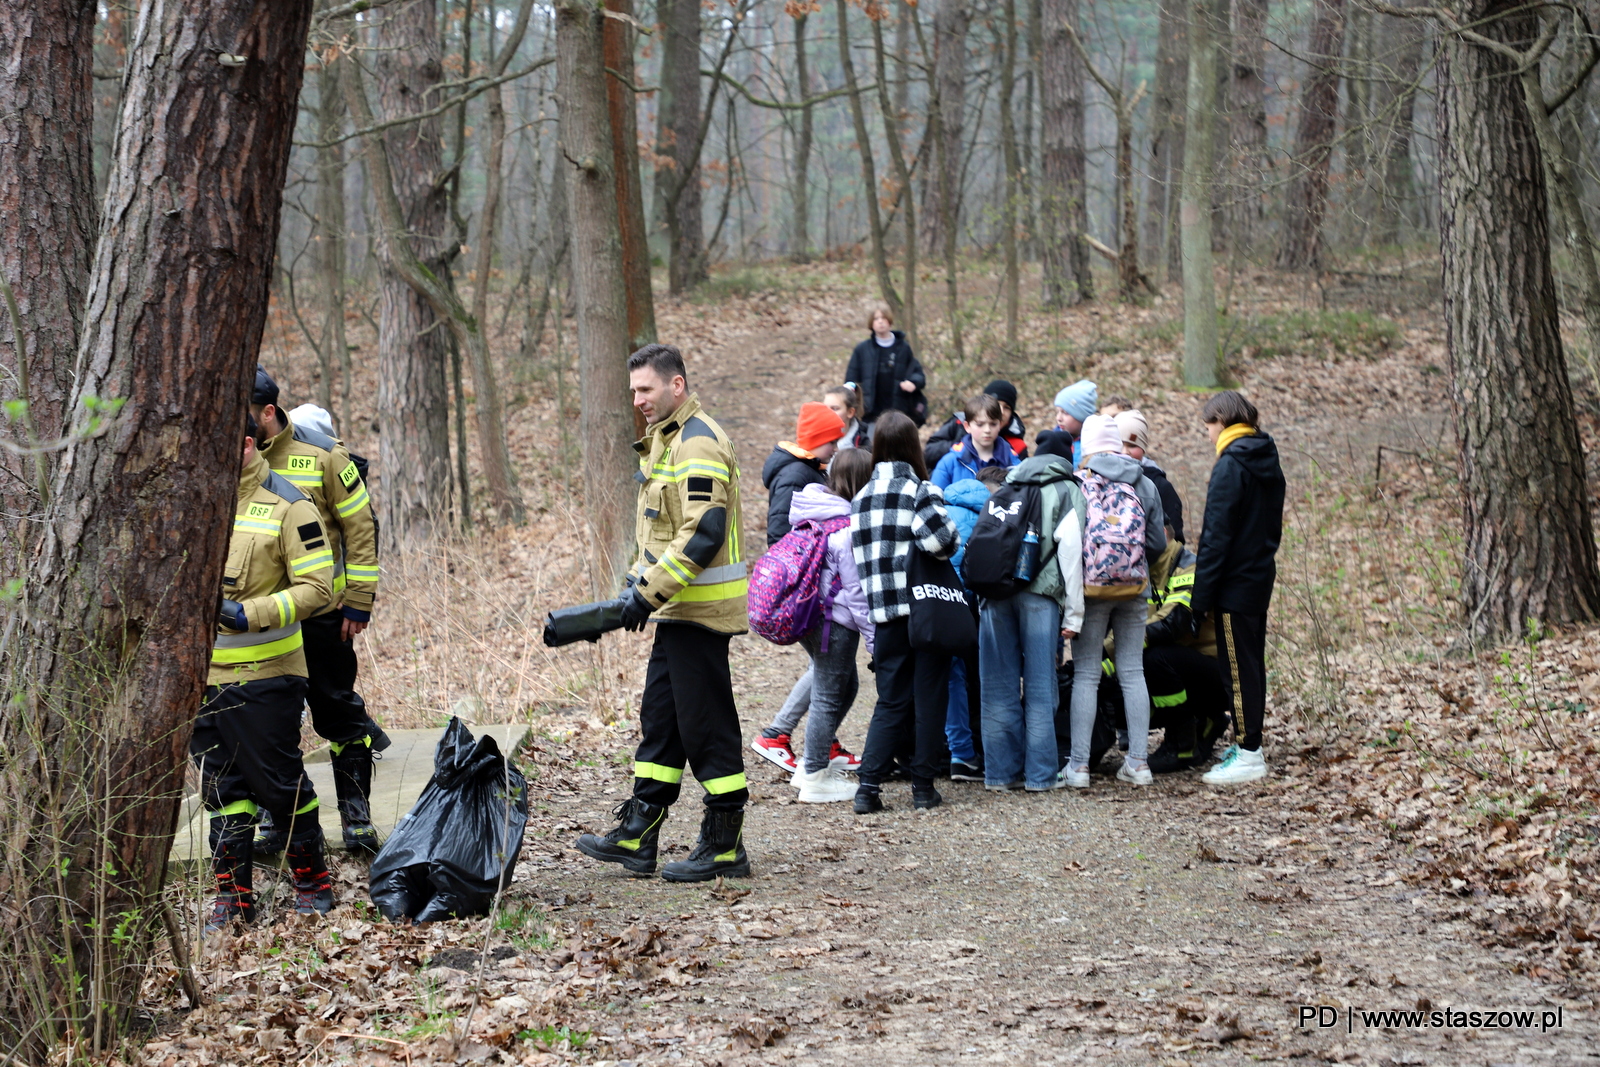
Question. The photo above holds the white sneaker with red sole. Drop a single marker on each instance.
(843, 758)
(775, 750)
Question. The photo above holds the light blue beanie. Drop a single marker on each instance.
(1079, 400)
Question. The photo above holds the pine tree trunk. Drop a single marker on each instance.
(1247, 114)
(619, 41)
(1397, 103)
(1529, 543)
(606, 423)
(1307, 199)
(678, 139)
(1063, 215)
(1166, 139)
(800, 194)
(48, 215)
(413, 350)
(1201, 364)
(120, 599)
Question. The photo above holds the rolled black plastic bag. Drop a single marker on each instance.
(586, 622)
(458, 845)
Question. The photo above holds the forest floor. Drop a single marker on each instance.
(1428, 838)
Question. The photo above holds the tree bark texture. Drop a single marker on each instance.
(1397, 96)
(1166, 138)
(606, 423)
(1201, 363)
(1063, 211)
(869, 171)
(413, 352)
(800, 195)
(330, 229)
(119, 607)
(47, 222)
(619, 41)
(1307, 199)
(1529, 544)
(678, 144)
(951, 21)
(1247, 119)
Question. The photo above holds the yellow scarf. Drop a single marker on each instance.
(1232, 434)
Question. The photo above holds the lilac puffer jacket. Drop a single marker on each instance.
(816, 502)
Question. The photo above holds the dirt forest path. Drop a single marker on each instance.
(1173, 925)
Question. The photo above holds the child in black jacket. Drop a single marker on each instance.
(1236, 570)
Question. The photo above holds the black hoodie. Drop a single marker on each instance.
(785, 474)
(1171, 502)
(1243, 525)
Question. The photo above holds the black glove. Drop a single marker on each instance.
(231, 614)
(635, 611)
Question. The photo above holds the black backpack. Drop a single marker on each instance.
(997, 542)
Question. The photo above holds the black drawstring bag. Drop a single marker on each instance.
(458, 845)
(941, 619)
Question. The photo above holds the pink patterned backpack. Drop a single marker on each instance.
(786, 597)
(1114, 565)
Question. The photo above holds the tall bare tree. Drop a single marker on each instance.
(1013, 168)
(1307, 200)
(800, 191)
(951, 21)
(1247, 120)
(678, 140)
(1063, 190)
(1201, 359)
(892, 118)
(1166, 137)
(413, 397)
(869, 171)
(334, 348)
(1528, 538)
(111, 660)
(47, 222)
(606, 424)
(1397, 94)
(1131, 280)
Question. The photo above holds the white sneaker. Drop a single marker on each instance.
(825, 786)
(1076, 777)
(1135, 775)
(1238, 765)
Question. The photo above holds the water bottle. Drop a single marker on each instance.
(1028, 557)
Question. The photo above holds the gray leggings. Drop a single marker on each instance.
(1125, 619)
(834, 685)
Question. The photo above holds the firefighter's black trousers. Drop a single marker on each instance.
(687, 718)
(246, 745)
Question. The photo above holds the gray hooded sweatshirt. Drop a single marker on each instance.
(1116, 467)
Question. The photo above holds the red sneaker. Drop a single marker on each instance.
(839, 756)
(775, 750)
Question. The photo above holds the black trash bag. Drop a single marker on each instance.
(458, 846)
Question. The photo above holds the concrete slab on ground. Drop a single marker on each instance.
(398, 778)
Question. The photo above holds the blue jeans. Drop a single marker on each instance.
(1017, 641)
(957, 717)
(1125, 619)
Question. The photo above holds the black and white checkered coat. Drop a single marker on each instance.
(893, 511)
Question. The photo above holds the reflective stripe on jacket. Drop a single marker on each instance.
(321, 468)
(280, 568)
(691, 561)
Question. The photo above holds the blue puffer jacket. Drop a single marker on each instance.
(964, 501)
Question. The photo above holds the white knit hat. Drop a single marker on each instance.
(1100, 434)
(1135, 430)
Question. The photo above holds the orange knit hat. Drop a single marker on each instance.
(817, 425)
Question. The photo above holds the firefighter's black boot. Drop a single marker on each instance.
(270, 837)
(352, 781)
(632, 842)
(720, 850)
(1177, 749)
(1211, 727)
(308, 868)
(231, 846)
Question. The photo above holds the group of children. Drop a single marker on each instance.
(1102, 571)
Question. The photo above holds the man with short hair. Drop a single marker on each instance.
(691, 577)
(321, 468)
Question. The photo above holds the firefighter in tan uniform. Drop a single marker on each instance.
(246, 742)
(321, 467)
(691, 576)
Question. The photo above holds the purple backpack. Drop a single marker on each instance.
(1114, 565)
(786, 598)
